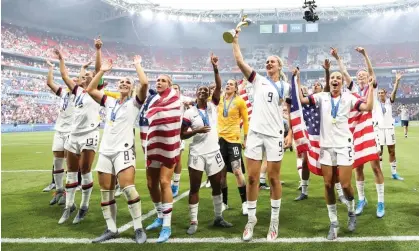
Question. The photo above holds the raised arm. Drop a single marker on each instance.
(64, 74)
(98, 46)
(92, 88)
(142, 90)
(50, 79)
(296, 74)
(342, 67)
(368, 63)
(243, 66)
(326, 67)
(370, 99)
(83, 70)
(396, 86)
(217, 91)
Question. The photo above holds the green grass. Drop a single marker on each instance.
(26, 213)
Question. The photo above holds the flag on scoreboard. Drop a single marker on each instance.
(280, 28)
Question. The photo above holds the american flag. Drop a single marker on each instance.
(245, 96)
(160, 121)
(305, 121)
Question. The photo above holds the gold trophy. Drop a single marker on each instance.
(228, 36)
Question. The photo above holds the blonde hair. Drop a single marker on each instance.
(282, 75)
(169, 78)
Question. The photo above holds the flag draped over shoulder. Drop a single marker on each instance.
(305, 121)
(160, 121)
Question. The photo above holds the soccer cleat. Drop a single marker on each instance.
(49, 187)
(164, 234)
(351, 222)
(301, 197)
(107, 235)
(396, 177)
(380, 210)
(118, 191)
(248, 230)
(158, 222)
(224, 207)
(360, 206)
(175, 190)
(193, 227)
(80, 215)
(273, 231)
(244, 208)
(57, 197)
(333, 231)
(220, 222)
(66, 213)
(61, 202)
(140, 236)
(264, 186)
(208, 185)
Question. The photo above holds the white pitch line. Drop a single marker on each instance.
(216, 240)
(34, 171)
(152, 212)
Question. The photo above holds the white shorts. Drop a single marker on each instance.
(211, 163)
(86, 141)
(377, 137)
(258, 143)
(59, 141)
(337, 156)
(387, 137)
(115, 163)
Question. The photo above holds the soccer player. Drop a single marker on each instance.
(363, 79)
(231, 111)
(386, 126)
(204, 151)
(404, 117)
(116, 154)
(266, 132)
(62, 133)
(160, 123)
(336, 143)
(82, 145)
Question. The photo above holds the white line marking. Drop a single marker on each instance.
(152, 212)
(34, 171)
(216, 240)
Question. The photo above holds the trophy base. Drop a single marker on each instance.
(228, 36)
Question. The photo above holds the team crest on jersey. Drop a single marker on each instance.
(194, 160)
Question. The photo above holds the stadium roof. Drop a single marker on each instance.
(260, 10)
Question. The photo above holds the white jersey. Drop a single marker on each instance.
(65, 116)
(404, 114)
(119, 128)
(267, 114)
(86, 112)
(338, 134)
(202, 143)
(376, 106)
(385, 115)
(185, 99)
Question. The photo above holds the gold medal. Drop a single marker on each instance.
(333, 121)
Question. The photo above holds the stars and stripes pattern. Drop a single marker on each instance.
(245, 96)
(305, 121)
(160, 121)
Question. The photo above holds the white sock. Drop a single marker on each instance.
(134, 205)
(351, 206)
(360, 188)
(333, 213)
(193, 213)
(275, 208)
(262, 178)
(167, 214)
(59, 173)
(251, 208)
(86, 189)
(157, 206)
(70, 188)
(109, 209)
(217, 201)
(176, 179)
(393, 166)
(304, 187)
(300, 168)
(380, 192)
(339, 189)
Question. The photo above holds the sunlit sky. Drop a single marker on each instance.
(255, 4)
